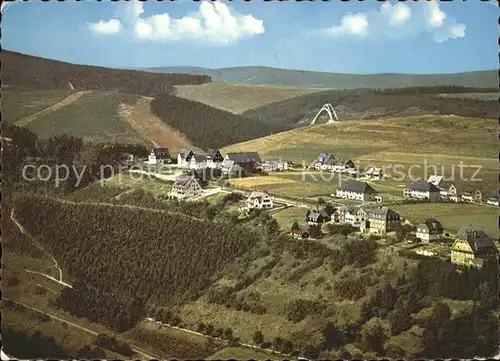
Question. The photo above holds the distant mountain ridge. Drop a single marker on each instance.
(284, 77)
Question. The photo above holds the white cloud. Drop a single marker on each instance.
(396, 21)
(213, 22)
(351, 24)
(395, 14)
(112, 26)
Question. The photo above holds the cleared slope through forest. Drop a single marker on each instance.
(66, 101)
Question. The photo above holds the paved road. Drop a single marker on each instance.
(146, 354)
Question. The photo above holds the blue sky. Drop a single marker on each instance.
(345, 37)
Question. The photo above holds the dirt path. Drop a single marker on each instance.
(152, 128)
(41, 248)
(66, 101)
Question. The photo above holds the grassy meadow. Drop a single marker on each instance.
(412, 143)
(19, 103)
(237, 98)
(94, 116)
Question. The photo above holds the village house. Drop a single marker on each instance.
(342, 165)
(421, 190)
(429, 230)
(315, 218)
(259, 200)
(447, 189)
(214, 158)
(354, 215)
(184, 157)
(197, 161)
(324, 161)
(300, 233)
(472, 194)
(472, 246)
(231, 169)
(374, 173)
(248, 161)
(352, 172)
(185, 186)
(382, 220)
(274, 166)
(353, 189)
(494, 201)
(159, 156)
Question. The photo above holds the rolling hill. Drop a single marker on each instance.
(26, 71)
(440, 140)
(237, 98)
(255, 75)
(373, 104)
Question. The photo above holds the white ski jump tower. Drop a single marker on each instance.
(332, 115)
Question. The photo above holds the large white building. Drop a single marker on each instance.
(422, 190)
(259, 200)
(353, 189)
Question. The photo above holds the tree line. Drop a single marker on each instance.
(25, 71)
(206, 126)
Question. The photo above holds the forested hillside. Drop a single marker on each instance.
(374, 104)
(205, 126)
(262, 75)
(125, 258)
(25, 71)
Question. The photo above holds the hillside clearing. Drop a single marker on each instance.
(94, 117)
(237, 98)
(139, 117)
(20, 103)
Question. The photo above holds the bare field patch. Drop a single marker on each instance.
(152, 128)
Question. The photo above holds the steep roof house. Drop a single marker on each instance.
(231, 169)
(341, 165)
(198, 161)
(353, 189)
(259, 200)
(447, 189)
(421, 190)
(159, 156)
(324, 161)
(472, 194)
(214, 158)
(315, 218)
(382, 220)
(430, 230)
(472, 246)
(184, 187)
(184, 157)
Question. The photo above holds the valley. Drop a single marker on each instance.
(127, 263)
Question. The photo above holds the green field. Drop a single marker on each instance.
(241, 353)
(433, 142)
(18, 103)
(287, 216)
(296, 184)
(94, 116)
(237, 98)
(453, 215)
